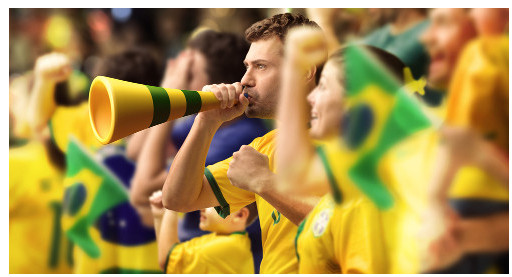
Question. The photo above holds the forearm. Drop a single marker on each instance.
(151, 163)
(333, 43)
(41, 104)
(135, 144)
(495, 164)
(157, 224)
(294, 206)
(168, 235)
(444, 172)
(325, 19)
(293, 140)
(486, 234)
(184, 181)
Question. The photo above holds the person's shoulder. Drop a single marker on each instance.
(265, 139)
(494, 49)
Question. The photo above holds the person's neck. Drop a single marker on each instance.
(405, 20)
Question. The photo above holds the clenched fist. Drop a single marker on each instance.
(249, 170)
(53, 67)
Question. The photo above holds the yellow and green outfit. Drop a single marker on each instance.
(277, 232)
(212, 253)
(37, 243)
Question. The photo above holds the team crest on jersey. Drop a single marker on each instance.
(320, 222)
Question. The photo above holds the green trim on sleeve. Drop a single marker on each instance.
(299, 231)
(332, 181)
(223, 209)
(168, 255)
(52, 135)
(119, 270)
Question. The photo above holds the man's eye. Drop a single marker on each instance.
(261, 66)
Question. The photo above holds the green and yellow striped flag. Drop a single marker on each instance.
(380, 114)
(90, 190)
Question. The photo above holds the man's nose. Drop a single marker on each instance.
(248, 79)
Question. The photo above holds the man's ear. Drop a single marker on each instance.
(311, 73)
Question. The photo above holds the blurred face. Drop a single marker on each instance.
(449, 31)
(262, 78)
(490, 21)
(211, 221)
(198, 76)
(326, 103)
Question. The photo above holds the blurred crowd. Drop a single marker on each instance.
(347, 141)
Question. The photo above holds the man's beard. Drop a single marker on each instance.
(253, 111)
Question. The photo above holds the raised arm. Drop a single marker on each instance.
(462, 146)
(49, 70)
(166, 227)
(294, 144)
(325, 18)
(186, 188)
(151, 171)
(135, 144)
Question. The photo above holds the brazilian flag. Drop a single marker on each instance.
(379, 114)
(90, 190)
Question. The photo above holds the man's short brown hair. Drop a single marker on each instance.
(276, 26)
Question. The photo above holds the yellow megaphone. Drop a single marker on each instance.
(119, 108)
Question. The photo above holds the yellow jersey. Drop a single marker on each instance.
(385, 241)
(212, 253)
(479, 89)
(324, 243)
(407, 171)
(479, 100)
(37, 243)
(277, 232)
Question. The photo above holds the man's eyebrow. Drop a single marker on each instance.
(256, 61)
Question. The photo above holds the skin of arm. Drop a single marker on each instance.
(305, 49)
(49, 70)
(150, 172)
(462, 146)
(468, 236)
(168, 236)
(135, 144)
(186, 188)
(166, 227)
(477, 235)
